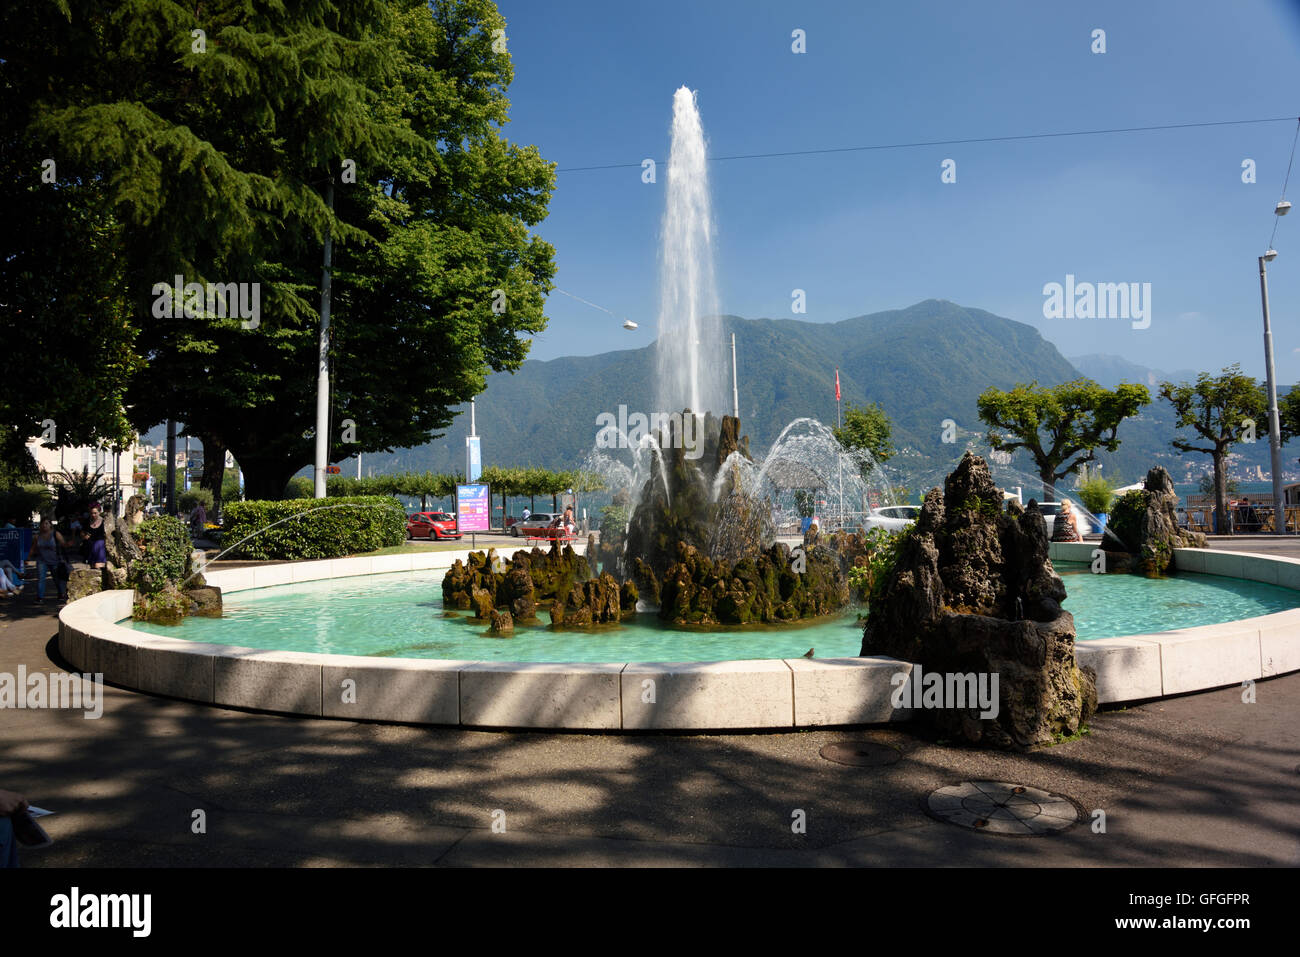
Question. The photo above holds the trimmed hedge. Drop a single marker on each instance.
(329, 528)
(166, 544)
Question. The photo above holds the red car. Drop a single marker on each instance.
(432, 525)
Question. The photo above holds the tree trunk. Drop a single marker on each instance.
(1222, 520)
(214, 469)
(1049, 484)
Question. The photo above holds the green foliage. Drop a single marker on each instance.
(1096, 494)
(230, 487)
(20, 501)
(613, 521)
(1060, 427)
(166, 545)
(1126, 518)
(314, 529)
(213, 165)
(866, 428)
(188, 501)
(166, 606)
(868, 581)
(299, 487)
(1218, 410)
(76, 490)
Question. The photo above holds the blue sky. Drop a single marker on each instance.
(867, 231)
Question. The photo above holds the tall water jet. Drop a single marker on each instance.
(690, 339)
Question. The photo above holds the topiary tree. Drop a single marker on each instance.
(1223, 410)
(1061, 427)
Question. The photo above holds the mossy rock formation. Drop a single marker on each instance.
(1143, 529)
(974, 592)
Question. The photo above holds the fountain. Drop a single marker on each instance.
(699, 540)
(690, 336)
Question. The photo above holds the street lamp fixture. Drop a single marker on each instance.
(1274, 440)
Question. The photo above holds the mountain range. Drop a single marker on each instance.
(922, 364)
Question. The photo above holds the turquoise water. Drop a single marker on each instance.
(401, 615)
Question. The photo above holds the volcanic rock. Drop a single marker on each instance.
(972, 591)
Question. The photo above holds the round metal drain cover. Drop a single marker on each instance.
(864, 754)
(1002, 808)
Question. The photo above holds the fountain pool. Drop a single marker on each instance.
(401, 615)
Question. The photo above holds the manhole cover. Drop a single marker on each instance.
(1002, 808)
(865, 754)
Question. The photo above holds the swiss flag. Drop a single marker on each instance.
(837, 384)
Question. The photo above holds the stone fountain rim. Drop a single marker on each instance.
(763, 694)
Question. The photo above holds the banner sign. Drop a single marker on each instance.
(14, 544)
(473, 458)
(473, 508)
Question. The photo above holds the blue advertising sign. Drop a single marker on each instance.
(473, 512)
(473, 458)
(14, 544)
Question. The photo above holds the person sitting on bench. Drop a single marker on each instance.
(564, 524)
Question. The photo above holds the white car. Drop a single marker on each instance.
(892, 518)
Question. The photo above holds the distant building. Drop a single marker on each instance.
(118, 469)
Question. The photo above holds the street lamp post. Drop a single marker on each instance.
(1274, 439)
(1274, 420)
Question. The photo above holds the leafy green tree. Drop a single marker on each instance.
(868, 429)
(1060, 427)
(218, 165)
(1222, 410)
(1288, 410)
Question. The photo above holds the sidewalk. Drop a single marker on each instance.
(1198, 780)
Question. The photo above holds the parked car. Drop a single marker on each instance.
(432, 525)
(892, 518)
(537, 524)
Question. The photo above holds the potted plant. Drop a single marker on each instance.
(1096, 495)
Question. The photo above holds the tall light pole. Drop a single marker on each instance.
(735, 392)
(1274, 439)
(323, 368)
(1274, 420)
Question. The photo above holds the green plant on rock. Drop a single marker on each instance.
(1126, 518)
(166, 606)
(165, 543)
(867, 581)
(1155, 558)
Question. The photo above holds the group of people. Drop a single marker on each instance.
(51, 551)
